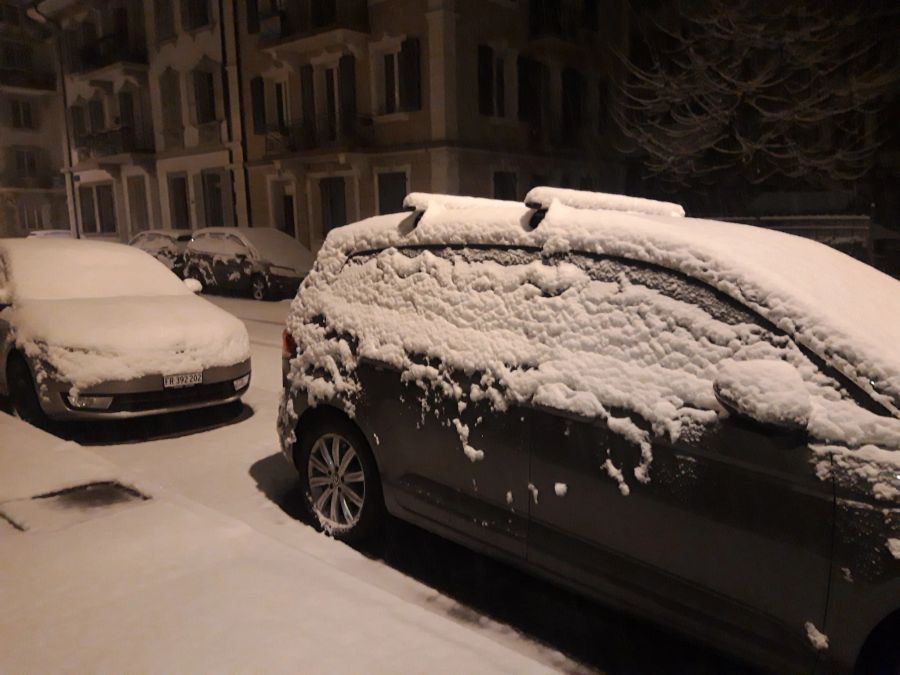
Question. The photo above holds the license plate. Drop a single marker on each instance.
(182, 380)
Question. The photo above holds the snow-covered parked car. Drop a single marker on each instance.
(262, 262)
(167, 246)
(94, 330)
(696, 421)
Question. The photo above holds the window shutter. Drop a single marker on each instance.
(258, 104)
(228, 199)
(485, 80)
(410, 75)
(307, 91)
(347, 91)
(199, 197)
(186, 14)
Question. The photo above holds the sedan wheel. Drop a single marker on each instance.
(337, 483)
(23, 396)
(258, 288)
(340, 481)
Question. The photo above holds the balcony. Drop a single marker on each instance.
(27, 80)
(292, 25)
(110, 50)
(325, 134)
(112, 142)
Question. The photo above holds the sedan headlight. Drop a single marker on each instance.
(283, 271)
(90, 402)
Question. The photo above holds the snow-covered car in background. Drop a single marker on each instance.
(262, 262)
(695, 421)
(167, 246)
(94, 330)
(50, 233)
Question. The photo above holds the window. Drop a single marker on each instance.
(194, 14)
(402, 87)
(491, 83)
(213, 198)
(505, 185)
(26, 162)
(16, 55)
(96, 115)
(258, 104)
(79, 126)
(531, 76)
(137, 203)
(171, 93)
(281, 103)
(88, 214)
(21, 114)
(252, 16)
(572, 101)
(106, 208)
(164, 19)
(98, 208)
(32, 216)
(9, 15)
(179, 207)
(334, 206)
(323, 13)
(205, 96)
(391, 192)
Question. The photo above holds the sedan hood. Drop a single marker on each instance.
(94, 340)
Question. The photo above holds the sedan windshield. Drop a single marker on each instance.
(58, 269)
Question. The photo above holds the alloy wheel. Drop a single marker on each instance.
(337, 484)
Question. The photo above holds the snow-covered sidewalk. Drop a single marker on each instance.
(169, 584)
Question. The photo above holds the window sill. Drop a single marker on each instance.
(166, 39)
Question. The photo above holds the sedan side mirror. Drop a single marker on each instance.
(194, 285)
(770, 393)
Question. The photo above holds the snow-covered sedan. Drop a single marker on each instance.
(696, 421)
(167, 246)
(94, 330)
(262, 262)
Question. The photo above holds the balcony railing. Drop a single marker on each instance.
(323, 134)
(108, 50)
(325, 15)
(112, 142)
(27, 79)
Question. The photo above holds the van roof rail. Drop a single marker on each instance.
(542, 197)
(420, 201)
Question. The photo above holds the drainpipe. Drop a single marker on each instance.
(35, 14)
(240, 102)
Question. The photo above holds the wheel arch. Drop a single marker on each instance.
(324, 412)
(885, 633)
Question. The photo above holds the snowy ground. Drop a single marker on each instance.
(215, 572)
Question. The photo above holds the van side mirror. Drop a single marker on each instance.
(770, 393)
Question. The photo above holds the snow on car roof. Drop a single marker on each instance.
(56, 269)
(843, 310)
(543, 197)
(420, 201)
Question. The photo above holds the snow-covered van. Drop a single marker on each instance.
(695, 421)
(96, 330)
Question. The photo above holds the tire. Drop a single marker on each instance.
(343, 497)
(23, 396)
(259, 289)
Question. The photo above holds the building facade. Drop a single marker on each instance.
(308, 114)
(32, 196)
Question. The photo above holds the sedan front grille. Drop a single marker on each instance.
(167, 398)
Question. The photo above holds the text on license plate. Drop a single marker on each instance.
(182, 380)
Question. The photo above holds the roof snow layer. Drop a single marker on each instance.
(843, 310)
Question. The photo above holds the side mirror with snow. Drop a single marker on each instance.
(194, 285)
(770, 393)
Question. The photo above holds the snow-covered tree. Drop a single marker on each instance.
(754, 90)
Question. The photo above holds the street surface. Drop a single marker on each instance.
(228, 462)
